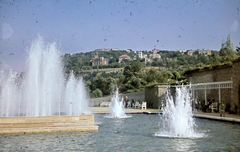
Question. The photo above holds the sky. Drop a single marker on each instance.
(85, 25)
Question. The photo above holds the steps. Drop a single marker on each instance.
(47, 124)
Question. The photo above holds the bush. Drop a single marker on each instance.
(97, 93)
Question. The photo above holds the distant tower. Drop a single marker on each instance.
(96, 55)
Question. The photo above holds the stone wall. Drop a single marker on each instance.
(95, 102)
(135, 96)
(221, 73)
(155, 96)
(236, 85)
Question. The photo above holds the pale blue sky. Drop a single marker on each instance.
(86, 25)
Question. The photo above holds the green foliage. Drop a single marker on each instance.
(136, 66)
(152, 75)
(215, 59)
(134, 75)
(155, 77)
(80, 61)
(104, 84)
(227, 52)
(176, 75)
(128, 72)
(135, 82)
(97, 93)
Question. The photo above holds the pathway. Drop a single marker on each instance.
(198, 114)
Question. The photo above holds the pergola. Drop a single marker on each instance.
(209, 86)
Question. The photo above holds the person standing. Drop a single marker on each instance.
(126, 101)
(222, 110)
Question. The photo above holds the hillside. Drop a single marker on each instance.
(140, 69)
(170, 60)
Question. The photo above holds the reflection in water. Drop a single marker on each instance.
(183, 144)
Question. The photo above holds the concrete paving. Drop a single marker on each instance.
(199, 114)
(216, 116)
(96, 110)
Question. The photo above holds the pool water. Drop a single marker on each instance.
(136, 133)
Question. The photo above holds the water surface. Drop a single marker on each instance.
(133, 134)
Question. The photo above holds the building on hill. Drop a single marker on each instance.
(98, 61)
(95, 56)
(191, 52)
(128, 50)
(204, 52)
(155, 51)
(154, 55)
(124, 56)
(140, 55)
(181, 51)
(198, 52)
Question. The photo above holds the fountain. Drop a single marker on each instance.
(177, 119)
(42, 90)
(117, 107)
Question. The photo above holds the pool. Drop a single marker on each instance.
(136, 133)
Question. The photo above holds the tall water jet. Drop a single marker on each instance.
(177, 118)
(42, 90)
(9, 94)
(117, 107)
(75, 92)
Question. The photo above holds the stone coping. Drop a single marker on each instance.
(198, 114)
(217, 118)
(47, 124)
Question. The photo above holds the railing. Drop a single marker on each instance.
(209, 85)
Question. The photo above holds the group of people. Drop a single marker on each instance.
(212, 104)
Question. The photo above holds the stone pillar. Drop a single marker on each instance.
(205, 91)
(155, 95)
(235, 97)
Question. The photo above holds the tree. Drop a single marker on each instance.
(113, 60)
(227, 52)
(215, 59)
(176, 75)
(133, 83)
(102, 84)
(136, 66)
(128, 72)
(152, 75)
(97, 93)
